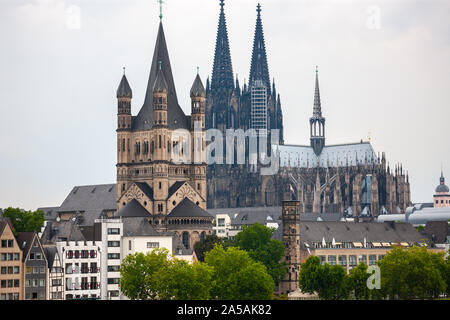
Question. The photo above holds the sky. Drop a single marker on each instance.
(384, 69)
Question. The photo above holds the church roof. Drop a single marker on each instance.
(186, 208)
(124, 89)
(197, 89)
(132, 209)
(146, 189)
(336, 155)
(175, 115)
(160, 83)
(173, 188)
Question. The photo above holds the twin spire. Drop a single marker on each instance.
(222, 76)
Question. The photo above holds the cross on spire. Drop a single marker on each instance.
(258, 9)
(222, 3)
(160, 9)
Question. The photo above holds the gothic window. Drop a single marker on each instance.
(159, 137)
(202, 236)
(123, 145)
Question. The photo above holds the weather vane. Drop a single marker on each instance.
(160, 9)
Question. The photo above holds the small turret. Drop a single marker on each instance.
(124, 96)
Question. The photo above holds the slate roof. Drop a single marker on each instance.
(198, 89)
(25, 240)
(91, 201)
(355, 232)
(173, 188)
(132, 209)
(67, 230)
(50, 253)
(146, 189)
(175, 115)
(187, 208)
(160, 82)
(124, 89)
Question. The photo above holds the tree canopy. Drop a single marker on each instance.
(257, 241)
(413, 273)
(138, 279)
(25, 221)
(237, 277)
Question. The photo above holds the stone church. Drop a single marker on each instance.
(170, 194)
(347, 178)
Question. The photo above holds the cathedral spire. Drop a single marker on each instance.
(317, 121)
(259, 69)
(222, 76)
(317, 110)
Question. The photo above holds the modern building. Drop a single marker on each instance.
(11, 266)
(35, 266)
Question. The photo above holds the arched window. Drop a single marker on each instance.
(202, 236)
(186, 239)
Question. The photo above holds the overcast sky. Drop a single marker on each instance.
(384, 67)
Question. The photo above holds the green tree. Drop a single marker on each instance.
(237, 276)
(137, 274)
(330, 283)
(25, 221)
(358, 282)
(412, 273)
(256, 240)
(182, 281)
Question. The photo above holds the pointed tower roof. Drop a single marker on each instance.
(222, 76)
(124, 89)
(317, 110)
(175, 115)
(198, 89)
(259, 69)
(160, 82)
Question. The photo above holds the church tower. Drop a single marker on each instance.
(317, 122)
(291, 239)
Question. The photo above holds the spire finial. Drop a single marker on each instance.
(160, 9)
(317, 69)
(123, 70)
(222, 4)
(198, 68)
(258, 9)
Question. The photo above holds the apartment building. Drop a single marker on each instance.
(11, 267)
(35, 266)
